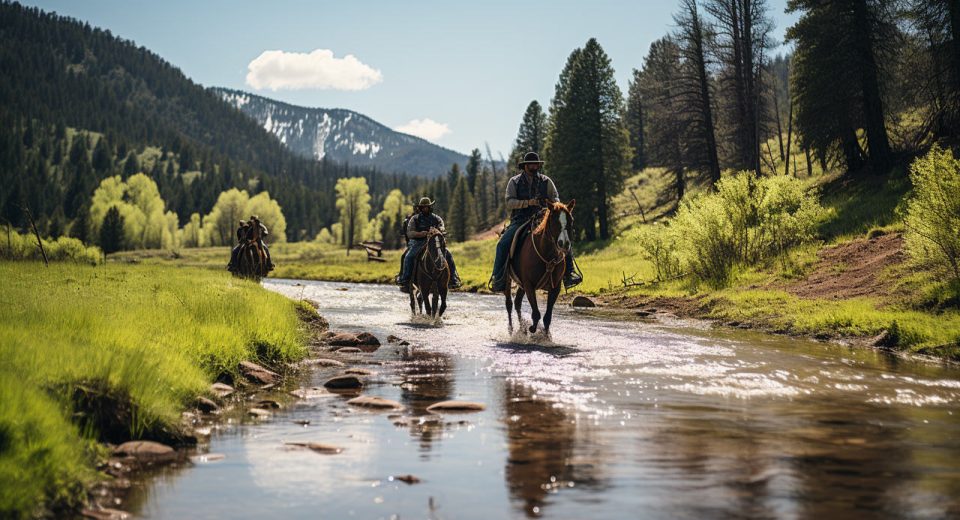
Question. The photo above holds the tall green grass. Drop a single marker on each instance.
(155, 335)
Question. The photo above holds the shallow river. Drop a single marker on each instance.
(637, 419)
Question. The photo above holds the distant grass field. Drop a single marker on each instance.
(153, 335)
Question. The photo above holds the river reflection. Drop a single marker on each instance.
(621, 419)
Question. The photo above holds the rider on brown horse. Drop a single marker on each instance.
(246, 232)
(417, 228)
(525, 191)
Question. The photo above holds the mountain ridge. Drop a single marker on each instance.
(342, 135)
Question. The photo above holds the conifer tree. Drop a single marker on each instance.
(461, 220)
(111, 232)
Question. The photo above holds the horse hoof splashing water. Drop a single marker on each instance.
(538, 264)
(431, 277)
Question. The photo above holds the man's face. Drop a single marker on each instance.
(531, 168)
(425, 209)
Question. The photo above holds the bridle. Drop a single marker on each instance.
(440, 262)
(561, 244)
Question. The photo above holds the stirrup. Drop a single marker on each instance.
(572, 281)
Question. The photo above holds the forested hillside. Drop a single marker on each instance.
(61, 75)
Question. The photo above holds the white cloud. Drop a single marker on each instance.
(276, 70)
(426, 128)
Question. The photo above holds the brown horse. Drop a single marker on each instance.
(431, 275)
(252, 260)
(538, 263)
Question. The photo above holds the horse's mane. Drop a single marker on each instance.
(553, 206)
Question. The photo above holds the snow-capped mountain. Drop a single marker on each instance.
(344, 136)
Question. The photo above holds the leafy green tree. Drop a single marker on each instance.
(391, 218)
(111, 232)
(462, 218)
(353, 202)
(933, 213)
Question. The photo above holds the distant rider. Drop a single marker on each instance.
(416, 230)
(256, 225)
(241, 239)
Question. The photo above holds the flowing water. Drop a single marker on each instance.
(640, 419)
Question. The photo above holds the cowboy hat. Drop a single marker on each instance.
(530, 158)
(425, 201)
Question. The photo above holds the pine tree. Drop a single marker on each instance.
(131, 165)
(531, 134)
(665, 136)
(111, 231)
(588, 143)
(473, 169)
(635, 120)
(462, 219)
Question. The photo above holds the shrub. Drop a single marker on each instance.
(24, 247)
(660, 248)
(747, 220)
(933, 212)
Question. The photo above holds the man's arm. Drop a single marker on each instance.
(440, 226)
(552, 190)
(412, 229)
(263, 230)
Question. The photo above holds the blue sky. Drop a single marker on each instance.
(469, 67)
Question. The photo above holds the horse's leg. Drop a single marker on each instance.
(436, 302)
(443, 301)
(509, 303)
(534, 309)
(518, 303)
(413, 302)
(548, 317)
(420, 300)
(425, 295)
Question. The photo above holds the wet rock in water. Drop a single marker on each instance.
(268, 404)
(105, 513)
(258, 374)
(456, 406)
(309, 393)
(368, 401)
(328, 334)
(404, 343)
(409, 479)
(259, 413)
(146, 451)
(583, 301)
(344, 382)
(221, 390)
(343, 339)
(393, 339)
(207, 457)
(302, 422)
(324, 362)
(319, 447)
(365, 338)
(644, 314)
(206, 405)
(359, 372)
(349, 350)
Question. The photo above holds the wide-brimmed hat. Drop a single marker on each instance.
(425, 201)
(530, 158)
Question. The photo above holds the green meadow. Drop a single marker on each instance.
(151, 338)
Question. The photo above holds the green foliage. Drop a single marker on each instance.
(16, 246)
(747, 220)
(933, 213)
(353, 202)
(146, 224)
(659, 246)
(59, 327)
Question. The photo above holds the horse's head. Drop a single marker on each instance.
(436, 244)
(556, 222)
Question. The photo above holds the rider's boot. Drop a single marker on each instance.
(455, 282)
(572, 280)
(498, 285)
(405, 287)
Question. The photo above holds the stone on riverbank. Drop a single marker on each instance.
(146, 451)
(456, 406)
(343, 339)
(365, 338)
(344, 382)
(259, 413)
(221, 390)
(106, 513)
(206, 405)
(583, 301)
(349, 350)
(258, 374)
(368, 401)
(359, 372)
(309, 393)
(323, 362)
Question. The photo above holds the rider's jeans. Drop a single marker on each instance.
(413, 247)
(503, 249)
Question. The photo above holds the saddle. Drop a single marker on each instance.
(521, 233)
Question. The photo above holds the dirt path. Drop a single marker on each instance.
(853, 269)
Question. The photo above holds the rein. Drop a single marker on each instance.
(559, 257)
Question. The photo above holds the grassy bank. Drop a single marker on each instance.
(146, 338)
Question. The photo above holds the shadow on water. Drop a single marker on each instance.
(558, 351)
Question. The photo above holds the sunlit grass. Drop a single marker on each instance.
(158, 335)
